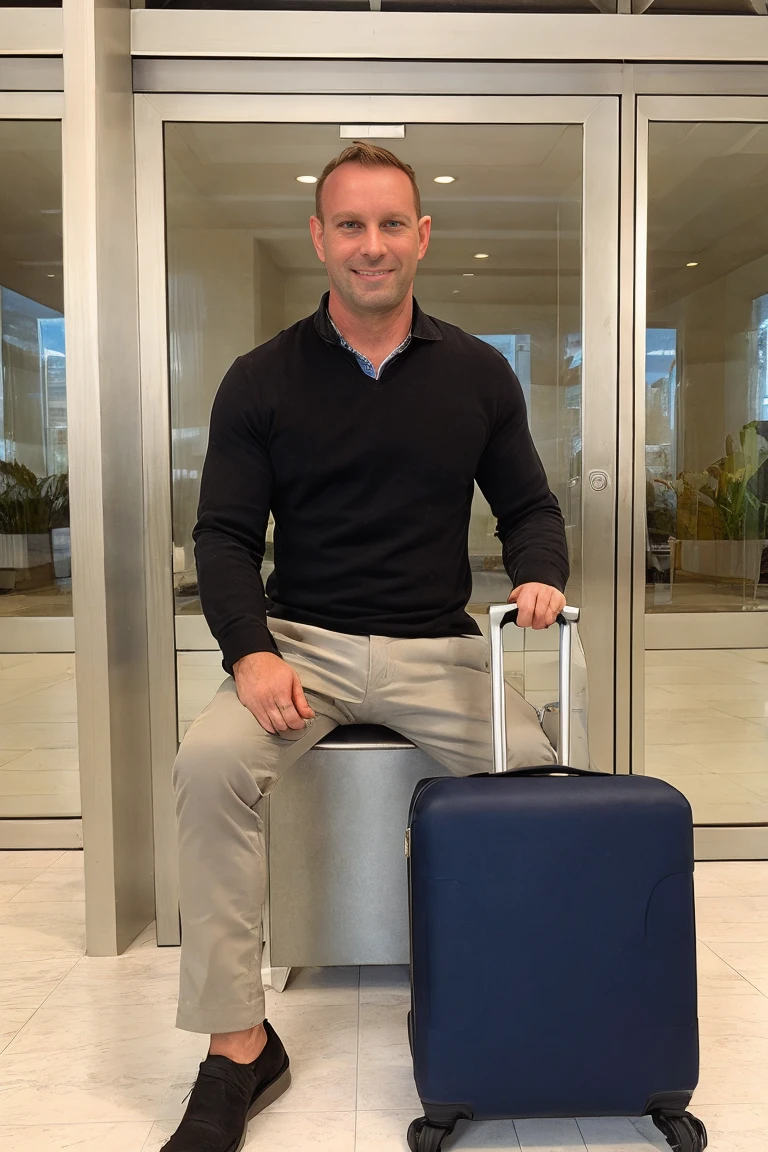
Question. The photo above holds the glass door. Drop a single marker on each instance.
(702, 361)
(39, 777)
(524, 199)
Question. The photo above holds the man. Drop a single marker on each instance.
(363, 428)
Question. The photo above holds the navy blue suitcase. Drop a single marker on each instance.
(553, 955)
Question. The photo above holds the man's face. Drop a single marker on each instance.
(370, 239)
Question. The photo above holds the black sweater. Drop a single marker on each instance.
(370, 483)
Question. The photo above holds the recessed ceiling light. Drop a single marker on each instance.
(51, 275)
(467, 273)
(307, 179)
(455, 291)
(445, 179)
(693, 264)
(482, 255)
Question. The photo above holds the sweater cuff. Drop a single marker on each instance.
(243, 640)
(538, 573)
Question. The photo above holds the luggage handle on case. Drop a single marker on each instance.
(499, 615)
(548, 770)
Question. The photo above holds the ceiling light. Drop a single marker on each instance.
(455, 292)
(467, 273)
(51, 275)
(445, 180)
(482, 255)
(693, 264)
(307, 179)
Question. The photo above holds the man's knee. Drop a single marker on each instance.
(207, 771)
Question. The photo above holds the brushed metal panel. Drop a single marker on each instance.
(423, 77)
(31, 32)
(100, 284)
(600, 257)
(41, 834)
(37, 634)
(156, 418)
(748, 842)
(449, 35)
(338, 877)
(674, 630)
(23, 73)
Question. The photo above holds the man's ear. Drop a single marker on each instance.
(316, 232)
(425, 229)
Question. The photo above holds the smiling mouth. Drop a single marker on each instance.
(372, 275)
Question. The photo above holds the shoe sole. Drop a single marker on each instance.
(272, 1092)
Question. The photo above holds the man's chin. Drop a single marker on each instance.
(374, 300)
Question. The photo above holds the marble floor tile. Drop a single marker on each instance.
(549, 1135)
(46, 794)
(714, 730)
(385, 983)
(709, 886)
(283, 1132)
(749, 960)
(686, 673)
(750, 877)
(124, 1137)
(15, 659)
(719, 692)
(142, 977)
(34, 859)
(717, 976)
(746, 755)
(9, 887)
(755, 782)
(735, 1128)
(321, 1041)
(27, 983)
(70, 861)
(317, 986)
(39, 706)
(11, 690)
(611, 1134)
(41, 665)
(7, 756)
(38, 735)
(740, 919)
(734, 1057)
(52, 886)
(385, 1131)
(38, 930)
(745, 1007)
(12, 1021)
(750, 709)
(98, 1063)
(385, 1070)
(44, 760)
(672, 758)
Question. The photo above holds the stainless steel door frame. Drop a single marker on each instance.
(713, 842)
(599, 116)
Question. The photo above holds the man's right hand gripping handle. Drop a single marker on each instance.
(270, 689)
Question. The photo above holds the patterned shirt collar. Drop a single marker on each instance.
(423, 327)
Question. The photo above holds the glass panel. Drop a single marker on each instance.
(38, 735)
(35, 559)
(706, 373)
(707, 457)
(241, 267)
(38, 722)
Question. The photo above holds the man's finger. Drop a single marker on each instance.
(300, 701)
(290, 715)
(261, 715)
(276, 717)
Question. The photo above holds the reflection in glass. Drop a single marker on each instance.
(241, 268)
(35, 565)
(706, 377)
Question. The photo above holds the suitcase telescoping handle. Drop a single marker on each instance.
(499, 615)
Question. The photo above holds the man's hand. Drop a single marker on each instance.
(538, 605)
(270, 689)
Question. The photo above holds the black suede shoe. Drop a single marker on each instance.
(227, 1095)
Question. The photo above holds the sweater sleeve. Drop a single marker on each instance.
(512, 479)
(232, 520)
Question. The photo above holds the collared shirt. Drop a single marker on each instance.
(363, 361)
(422, 328)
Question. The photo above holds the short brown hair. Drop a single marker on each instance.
(369, 156)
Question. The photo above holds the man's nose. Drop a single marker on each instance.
(373, 243)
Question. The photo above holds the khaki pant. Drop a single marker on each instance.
(435, 692)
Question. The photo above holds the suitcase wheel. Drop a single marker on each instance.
(426, 1137)
(684, 1133)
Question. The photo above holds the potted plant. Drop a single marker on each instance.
(30, 506)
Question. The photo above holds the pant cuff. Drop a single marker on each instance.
(227, 1018)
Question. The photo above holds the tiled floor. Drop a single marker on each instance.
(90, 1059)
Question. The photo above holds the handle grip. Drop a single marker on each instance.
(499, 615)
(550, 770)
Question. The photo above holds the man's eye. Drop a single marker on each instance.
(349, 224)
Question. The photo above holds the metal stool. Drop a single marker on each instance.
(337, 873)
